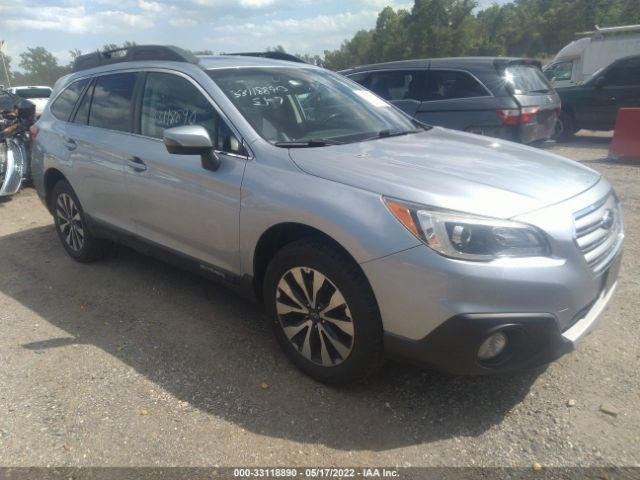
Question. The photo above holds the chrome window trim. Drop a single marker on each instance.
(213, 103)
(52, 100)
(208, 97)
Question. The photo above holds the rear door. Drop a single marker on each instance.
(456, 99)
(172, 200)
(98, 139)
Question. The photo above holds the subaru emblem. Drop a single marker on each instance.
(607, 219)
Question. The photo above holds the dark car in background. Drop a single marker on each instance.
(594, 104)
(509, 98)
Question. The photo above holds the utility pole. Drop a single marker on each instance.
(6, 72)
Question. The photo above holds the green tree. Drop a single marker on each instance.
(390, 39)
(40, 67)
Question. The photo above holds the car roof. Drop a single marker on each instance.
(467, 63)
(169, 56)
(628, 57)
(210, 62)
(204, 62)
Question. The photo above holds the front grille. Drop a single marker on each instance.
(599, 231)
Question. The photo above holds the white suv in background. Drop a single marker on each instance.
(38, 95)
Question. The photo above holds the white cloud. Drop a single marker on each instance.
(150, 6)
(182, 22)
(256, 3)
(76, 19)
(304, 26)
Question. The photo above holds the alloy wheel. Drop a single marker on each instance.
(314, 316)
(70, 222)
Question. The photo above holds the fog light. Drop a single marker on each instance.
(492, 346)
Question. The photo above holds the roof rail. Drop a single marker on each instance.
(273, 55)
(134, 53)
(605, 30)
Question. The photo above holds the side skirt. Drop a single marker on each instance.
(240, 284)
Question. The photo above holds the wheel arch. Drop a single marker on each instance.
(280, 235)
(51, 177)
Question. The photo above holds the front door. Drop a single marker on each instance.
(173, 201)
(616, 87)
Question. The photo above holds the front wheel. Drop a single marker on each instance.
(323, 312)
(71, 226)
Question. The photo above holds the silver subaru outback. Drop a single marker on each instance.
(364, 233)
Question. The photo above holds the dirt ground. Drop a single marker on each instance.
(130, 362)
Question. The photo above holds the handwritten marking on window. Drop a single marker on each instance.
(173, 118)
(266, 101)
(259, 91)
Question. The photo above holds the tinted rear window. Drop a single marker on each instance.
(111, 103)
(63, 105)
(33, 92)
(525, 79)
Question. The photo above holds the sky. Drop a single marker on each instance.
(300, 26)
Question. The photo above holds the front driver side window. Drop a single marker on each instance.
(172, 101)
(561, 71)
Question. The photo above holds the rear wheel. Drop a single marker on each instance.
(71, 226)
(565, 127)
(323, 312)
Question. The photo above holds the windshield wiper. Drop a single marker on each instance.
(314, 142)
(546, 90)
(392, 133)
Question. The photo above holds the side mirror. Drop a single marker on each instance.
(192, 140)
(599, 82)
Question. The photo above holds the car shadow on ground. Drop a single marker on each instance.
(586, 140)
(212, 349)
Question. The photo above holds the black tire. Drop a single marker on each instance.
(311, 257)
(80, 244)
(565, 127)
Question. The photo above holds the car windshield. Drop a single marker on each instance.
(526, 79)
(33, 92)
(305, 107)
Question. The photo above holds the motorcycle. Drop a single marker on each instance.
(15, 122)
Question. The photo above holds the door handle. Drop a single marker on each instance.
(613, 99)
(136, 164)
(70, 143)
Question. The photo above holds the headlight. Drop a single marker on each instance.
(469, 237)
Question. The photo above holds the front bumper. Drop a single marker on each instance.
(438, 311)
(533, 340)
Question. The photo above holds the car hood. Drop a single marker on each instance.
(452, 170)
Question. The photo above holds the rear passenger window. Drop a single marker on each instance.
(111, 104)
(396, 84)
(450, 84)
(172, 101)
(63, 105)
(82, 114)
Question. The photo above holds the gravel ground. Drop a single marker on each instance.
(130, 362)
